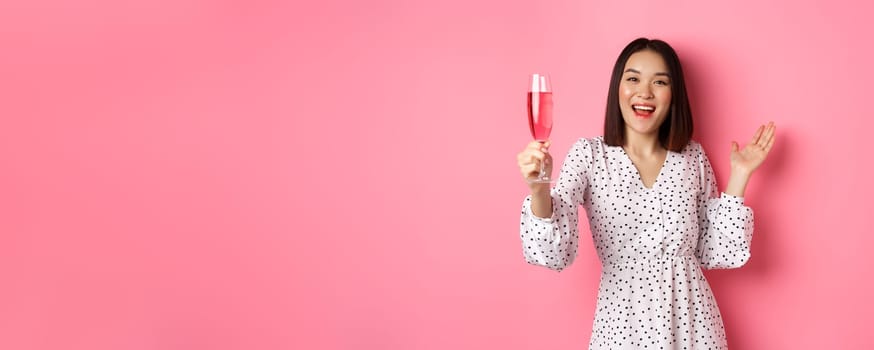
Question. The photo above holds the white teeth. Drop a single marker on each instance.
(645, 108)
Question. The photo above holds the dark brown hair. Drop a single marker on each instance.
(676, 131)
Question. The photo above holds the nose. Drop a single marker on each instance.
(644, 91)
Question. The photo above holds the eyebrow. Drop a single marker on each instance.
(632, 70)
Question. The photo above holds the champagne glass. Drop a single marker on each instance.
(540, 116)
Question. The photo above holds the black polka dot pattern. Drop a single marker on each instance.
(652, 243)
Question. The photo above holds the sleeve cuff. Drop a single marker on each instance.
(530, 214)
(732, 200)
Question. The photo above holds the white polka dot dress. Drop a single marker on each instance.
(652, 243)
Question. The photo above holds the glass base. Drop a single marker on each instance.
(541, 180)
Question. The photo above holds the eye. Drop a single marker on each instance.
(662, 82)
(631, 79)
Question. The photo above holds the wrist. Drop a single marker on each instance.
(741, 173)
(539, 189)
(737, 183)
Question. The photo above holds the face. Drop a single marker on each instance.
(644, 93)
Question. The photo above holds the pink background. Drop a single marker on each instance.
(274, 175)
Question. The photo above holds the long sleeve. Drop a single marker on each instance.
(725, 224)
(552, 242)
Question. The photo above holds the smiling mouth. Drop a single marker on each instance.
(643, 110)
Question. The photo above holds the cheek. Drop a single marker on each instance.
(666, 98)
(624, 94)
(666, 94)
(667, 106)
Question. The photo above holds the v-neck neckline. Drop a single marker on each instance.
(637, 171)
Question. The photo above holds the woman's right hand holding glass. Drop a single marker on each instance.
(529, 161)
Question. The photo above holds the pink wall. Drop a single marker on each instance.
(259, 175)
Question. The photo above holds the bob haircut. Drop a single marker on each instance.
(676, 130)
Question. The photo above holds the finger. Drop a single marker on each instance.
(533, 159)
(539, 155)
(769, 136)
(538, 144)
(530, 171)
(771, 139)
(528, 160)
(758, 134)
(769, 132)
(532, 151)
(523, 158)
(734, 146)
(535, 147)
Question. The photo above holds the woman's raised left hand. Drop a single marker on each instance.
(747, 159)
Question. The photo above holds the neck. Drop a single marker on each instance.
(643, 144)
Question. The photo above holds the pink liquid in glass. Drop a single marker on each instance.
(540, 114)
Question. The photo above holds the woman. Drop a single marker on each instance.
(655, 213)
